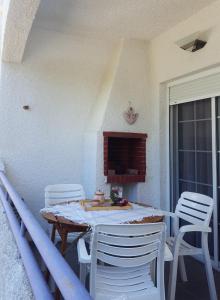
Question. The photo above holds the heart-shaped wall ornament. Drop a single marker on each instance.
(130, 115)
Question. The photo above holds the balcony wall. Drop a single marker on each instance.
(59, 79)
(64, 79)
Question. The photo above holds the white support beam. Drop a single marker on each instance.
(18, 16)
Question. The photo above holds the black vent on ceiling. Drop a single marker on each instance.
(194, 45)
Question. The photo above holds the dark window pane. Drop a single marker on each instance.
(218, 134)
(187, 165)
(218, 105)
(218, 171)
(186, 187)
(203, 109)
(186, 136)
(204, 167)
(194, 155)
(218, 206)
(218, 239)
(186, 111)
(205, 190)
(203, 135)
(211, 242)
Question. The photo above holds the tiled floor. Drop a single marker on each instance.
(195, 289)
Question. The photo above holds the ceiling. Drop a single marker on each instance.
(142, 19)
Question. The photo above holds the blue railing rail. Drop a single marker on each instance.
(64, 277)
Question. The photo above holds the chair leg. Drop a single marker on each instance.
(153, 271)
(208, 266)
(173, 272)
(172, 279)
(83, 273)
(182, 268)
(53, 233)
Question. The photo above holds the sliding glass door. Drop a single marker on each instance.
(218, 169)
(193, 154)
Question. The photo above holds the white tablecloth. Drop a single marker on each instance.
(74, 212)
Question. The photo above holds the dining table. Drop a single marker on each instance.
(72, 218)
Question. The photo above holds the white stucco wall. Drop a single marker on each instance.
(18, 16)
(131, 84)
(169, 62)
(127, 81)
(59, 79)
(93, 147)
(63, 79)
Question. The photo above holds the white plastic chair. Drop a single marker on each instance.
(63, 194)
(197, 210)
(120, 260)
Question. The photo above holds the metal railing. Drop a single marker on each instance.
(64, 277)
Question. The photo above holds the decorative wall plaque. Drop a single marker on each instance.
(130, 115)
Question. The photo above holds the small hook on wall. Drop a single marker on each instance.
(26, 107)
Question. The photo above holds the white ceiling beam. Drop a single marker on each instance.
(17, 20)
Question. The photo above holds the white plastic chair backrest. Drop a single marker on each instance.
(63, 193)
(195, 208)
(127, 246)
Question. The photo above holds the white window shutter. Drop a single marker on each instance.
(200, 88)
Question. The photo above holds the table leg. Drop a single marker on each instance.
(53, 233)
(63, 235)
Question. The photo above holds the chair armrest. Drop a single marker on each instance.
(190, 228)
(168, 214)
(83, 255)
(168, 256)
(175, 220)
